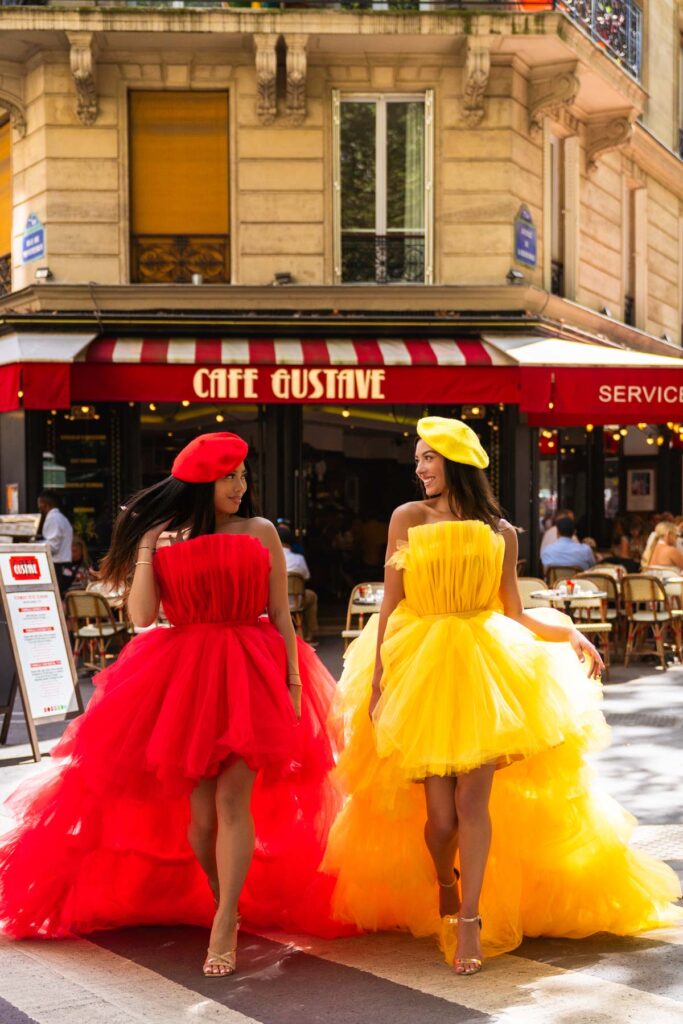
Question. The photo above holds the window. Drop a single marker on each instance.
(383, 189)
(634, 247)
(556, 215)
(179, 186)
(5, 208)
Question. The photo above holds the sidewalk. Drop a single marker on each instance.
(152, 975)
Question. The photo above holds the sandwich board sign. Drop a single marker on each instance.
(35, 652)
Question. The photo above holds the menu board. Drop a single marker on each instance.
(44, 670)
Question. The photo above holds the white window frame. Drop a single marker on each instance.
(381, 100)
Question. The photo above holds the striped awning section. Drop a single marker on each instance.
(301, 352)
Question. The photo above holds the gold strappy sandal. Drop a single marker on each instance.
(225, 962)
(470, 964)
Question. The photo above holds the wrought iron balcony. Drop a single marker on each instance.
(6, 274)
(616, 25)
(173, 259)
(383, 259)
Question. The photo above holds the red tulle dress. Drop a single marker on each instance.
(101, 840)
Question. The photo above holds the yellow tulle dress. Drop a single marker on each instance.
(463, 685)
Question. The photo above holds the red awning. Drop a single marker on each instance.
(400, 371)
(555, 380)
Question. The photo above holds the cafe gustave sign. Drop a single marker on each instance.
(290, 384)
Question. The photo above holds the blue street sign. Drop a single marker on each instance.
(33, 241)
(525, 237)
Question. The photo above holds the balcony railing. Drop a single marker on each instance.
(616, 25)
(6, 274)
(383, 259)
(174, 259)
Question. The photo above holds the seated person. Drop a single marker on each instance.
(296, 563)
(78, 573)
(565, 551)
(662, 548)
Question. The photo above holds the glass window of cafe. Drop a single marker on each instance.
(166, 427)
(81, 454)
(358, 465)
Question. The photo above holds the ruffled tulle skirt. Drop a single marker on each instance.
(460, 691)
(101, 839)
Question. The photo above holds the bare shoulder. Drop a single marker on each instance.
(412, 513)
(509, 534)
(262, 528)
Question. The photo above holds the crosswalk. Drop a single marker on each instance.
(153, 975)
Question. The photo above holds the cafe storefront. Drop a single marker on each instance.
(101, 416)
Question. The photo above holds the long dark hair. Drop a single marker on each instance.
(182, 505)
(469, 494)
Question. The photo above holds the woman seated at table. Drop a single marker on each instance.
(662, 549)
(79, 571)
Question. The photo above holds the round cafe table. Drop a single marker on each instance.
(555, 597)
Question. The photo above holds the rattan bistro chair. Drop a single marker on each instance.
(612, 611)
(648, 610)
(92, 623)
(555, 573)
(590, 618)
(357, 609)
(296, 588)
(527, 585)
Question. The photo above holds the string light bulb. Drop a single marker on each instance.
(152, 407)
(649, 440)
(589, 428)
(345, 413)
(185, 402)
(220, 417)
(660, 440)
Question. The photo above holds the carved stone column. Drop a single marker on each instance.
(83, 71)
(549, 95)
(605, 135)
(266, 76)
(296, 77)
(477, 71)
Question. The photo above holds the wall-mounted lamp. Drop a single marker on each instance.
(42, 274)
(283, 278)
(514, 276)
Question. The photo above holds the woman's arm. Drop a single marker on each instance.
(278, 605)
(513, 608)
(143, 597)
(401, 520)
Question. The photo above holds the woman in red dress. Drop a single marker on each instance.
(203, 743)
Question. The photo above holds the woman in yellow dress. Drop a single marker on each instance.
(490, 708)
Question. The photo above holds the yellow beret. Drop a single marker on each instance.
(453, 439)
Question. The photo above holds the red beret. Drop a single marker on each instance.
(209, 457)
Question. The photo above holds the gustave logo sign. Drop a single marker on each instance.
(24, 567)
(296, 383)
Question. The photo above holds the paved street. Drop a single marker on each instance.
(153, 974)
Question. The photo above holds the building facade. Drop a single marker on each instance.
(316, 220)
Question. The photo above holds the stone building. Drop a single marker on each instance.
(265, 215)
